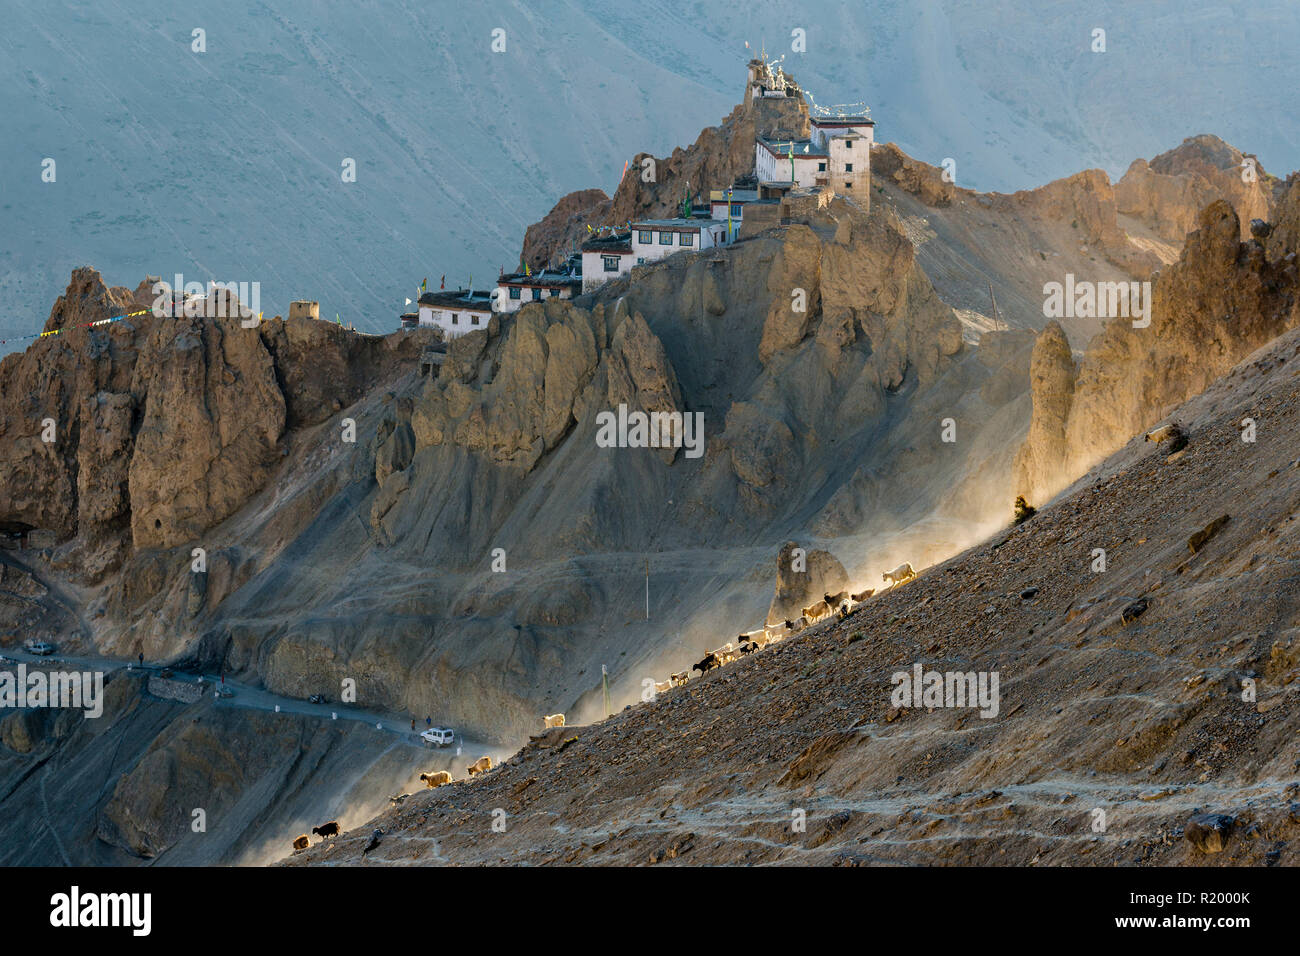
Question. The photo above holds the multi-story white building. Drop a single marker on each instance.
(652, 239)
(838, 155)
(847, 141)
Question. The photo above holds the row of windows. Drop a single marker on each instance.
(646, 237)
(516, 293)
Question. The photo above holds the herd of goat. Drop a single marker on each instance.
(842, 604)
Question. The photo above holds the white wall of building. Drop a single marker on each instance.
(718, 209)
(506, 301)
(454, 322)
(594, 273)
(705, 235)
(769, 168)
(850, 166)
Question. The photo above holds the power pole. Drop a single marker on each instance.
(996, 321)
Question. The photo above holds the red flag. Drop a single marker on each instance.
(442, 283)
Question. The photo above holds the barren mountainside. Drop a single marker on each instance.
(294, 506)
(1131, 699)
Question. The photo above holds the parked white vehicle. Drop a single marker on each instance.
(439, 736)
(40, 648)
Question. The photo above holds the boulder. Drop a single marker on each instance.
(1209, 832)
(798, 586)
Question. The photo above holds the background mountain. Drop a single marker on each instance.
(226, 164)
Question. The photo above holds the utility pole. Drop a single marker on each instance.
(996, 321)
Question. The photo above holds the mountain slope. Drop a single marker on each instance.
(1147, 719)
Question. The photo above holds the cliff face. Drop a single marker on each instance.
(1223, 299)
(1051, 382)
(159, 428)
(1168, 193)
(922, 180)
(565, 226)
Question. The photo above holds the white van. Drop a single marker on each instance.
(439, 736)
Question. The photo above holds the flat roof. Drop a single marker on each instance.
(692, 224)
(470, 300)
(614, 243)
(540, 279)
(841, 121)
(737, 195)
(781, 148)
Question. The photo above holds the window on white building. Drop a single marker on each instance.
(645, 237)
(611, 263)
(665, 238)
(848, 167)
(537, 294)
(735, 209)
(514, 293)
(455, 319)
(688, 239)
(821, 167)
